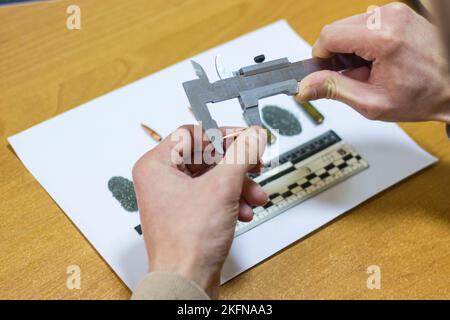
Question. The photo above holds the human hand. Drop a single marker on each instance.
(409, 79)
(189, 210)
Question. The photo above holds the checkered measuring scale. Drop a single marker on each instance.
(302, 173)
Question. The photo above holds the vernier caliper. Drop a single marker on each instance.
(254, 82)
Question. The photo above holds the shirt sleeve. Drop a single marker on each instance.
(168, 286)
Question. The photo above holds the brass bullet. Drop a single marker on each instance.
(313, 113)
(152, 133)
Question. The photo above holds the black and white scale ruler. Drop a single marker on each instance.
(302, 173)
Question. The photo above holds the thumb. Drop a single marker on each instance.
(241, 156)
(364, 97)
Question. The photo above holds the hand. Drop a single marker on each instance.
(189, 211)
(409, 79)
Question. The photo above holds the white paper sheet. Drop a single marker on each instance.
(75, 154)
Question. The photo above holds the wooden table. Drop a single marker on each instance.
(46, 69)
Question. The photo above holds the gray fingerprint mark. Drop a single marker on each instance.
(282, 120)
(123, 190)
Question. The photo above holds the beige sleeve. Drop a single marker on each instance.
(168, 286)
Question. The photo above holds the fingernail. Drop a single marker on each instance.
(263, 196)
(306, 93)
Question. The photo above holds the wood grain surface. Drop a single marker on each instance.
(46, 69)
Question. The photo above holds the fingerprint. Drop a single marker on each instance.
(123, 190)
(282, 120)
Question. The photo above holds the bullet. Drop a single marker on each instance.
(313, 113)
(152, 133)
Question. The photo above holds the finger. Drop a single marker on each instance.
(357, 19)
(245, 211)
(195, 163)
(360, 74)
(162, 159)
(241, 156)
(258, 168)
(185, 146)
(346, 38)
(170, 151)
(253, 193)
(362, 96)
(190, 134)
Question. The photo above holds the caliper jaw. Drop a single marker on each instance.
(196, 94)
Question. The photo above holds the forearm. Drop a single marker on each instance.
(168, 286)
